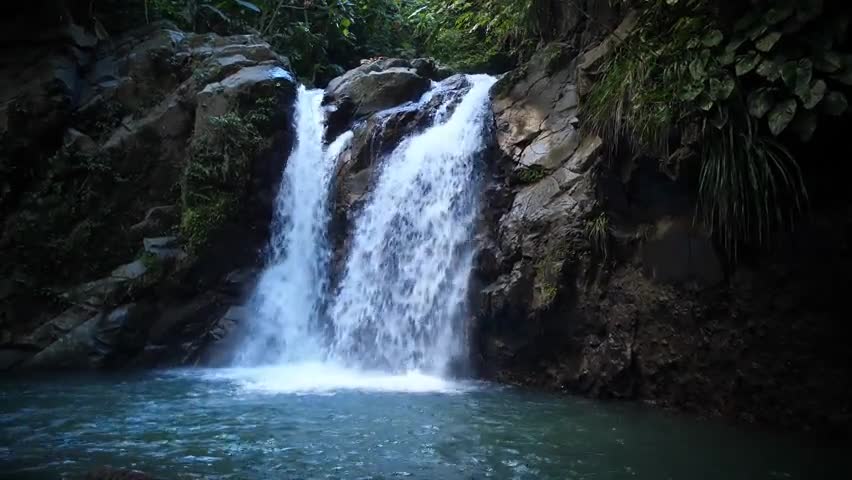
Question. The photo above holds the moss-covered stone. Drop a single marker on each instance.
(219, 169)
(531, 174)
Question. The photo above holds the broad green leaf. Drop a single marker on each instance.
(736, 42)
(760, 102)
(814, 94)
(835, 104)
(746, 63)
(797, 75)
(713, 38)
(804, 74)
(766, 43)
(781, 116)
(715, 89)
(804, 125)
(828, 62)
(770, 69)
(692, 91)
(721, 88)
(697, 68)
(728, 57)
(705, 102)
(757, 30)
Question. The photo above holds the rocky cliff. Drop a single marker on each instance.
(594, 278)
(138, 174)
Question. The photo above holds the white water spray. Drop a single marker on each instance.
(404, 289)
(289, 294)
(400, 305)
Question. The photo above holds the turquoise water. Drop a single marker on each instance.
(289, 424)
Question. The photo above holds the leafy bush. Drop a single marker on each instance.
(745, 88)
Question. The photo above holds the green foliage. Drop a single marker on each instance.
(750, 88)
(473, 35)
(322, 38)
(218, 170)
(532, 174)
(749, 183)
(597, 231)
(198, 222)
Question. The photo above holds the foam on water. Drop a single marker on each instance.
(329, 378)
(396, 321)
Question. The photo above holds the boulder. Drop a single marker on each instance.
(376, 86)
(255, 82)
(103, 341)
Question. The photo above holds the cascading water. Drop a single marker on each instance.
(288, 297)
(406, 279)
(400, 302)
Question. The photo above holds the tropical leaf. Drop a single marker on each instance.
(828, 62)
(766, 43)
(698, 69)
(781, 116)
(814, 95)
(746, 63)
(736, 42)
(757, 30)
(721, 88)
(770, 69)
(760, 102)
(728, 57)
(797, 76)
(692, 91)
(705, 102)
(713, 38)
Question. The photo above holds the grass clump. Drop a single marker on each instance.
(597, 231)
(533, 174)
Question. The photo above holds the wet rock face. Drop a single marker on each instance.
(377, 86)
(97, 148)
(592, 276)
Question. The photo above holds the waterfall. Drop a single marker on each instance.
(406, 279)
(400, 304)
(288, 297)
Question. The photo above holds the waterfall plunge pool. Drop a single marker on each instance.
(318, 422)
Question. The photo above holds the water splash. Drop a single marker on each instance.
(288, 297)
(405, 283)
(400, 305)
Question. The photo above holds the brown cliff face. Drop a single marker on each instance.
(593, 278)
(119, 158)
